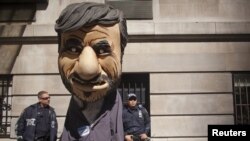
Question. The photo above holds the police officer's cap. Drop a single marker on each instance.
(132, 95)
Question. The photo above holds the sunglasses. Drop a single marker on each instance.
(45, 98)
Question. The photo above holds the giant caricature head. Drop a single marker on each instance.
(92, 38)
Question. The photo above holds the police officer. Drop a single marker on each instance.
(136, 120)
(38, 121)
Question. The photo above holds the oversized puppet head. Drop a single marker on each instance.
(91, 38)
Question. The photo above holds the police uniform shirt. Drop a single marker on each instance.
(133, 121)
(42, 122)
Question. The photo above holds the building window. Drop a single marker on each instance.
(134, 9)
(5, 107)
(137, 83)
(242, 98)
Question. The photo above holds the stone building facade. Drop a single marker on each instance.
(191, 50)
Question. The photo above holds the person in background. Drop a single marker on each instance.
(38, 121)
(136, 120)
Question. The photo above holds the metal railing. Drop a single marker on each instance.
(5, 106)
(242, 98)
(137, 84)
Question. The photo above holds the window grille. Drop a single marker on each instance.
(5, 107)
(137, 84)
(242, 98)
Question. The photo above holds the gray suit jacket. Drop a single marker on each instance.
(108, 126)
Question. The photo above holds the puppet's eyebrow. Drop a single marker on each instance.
(102, 42)
(74, 36)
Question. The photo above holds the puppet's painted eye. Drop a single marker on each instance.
(73, 46)
(73, 49)
(102, 48)
(101, 51)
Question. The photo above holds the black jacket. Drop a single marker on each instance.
(136, 121)
(26, 123)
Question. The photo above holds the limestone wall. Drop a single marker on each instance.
(190, 82)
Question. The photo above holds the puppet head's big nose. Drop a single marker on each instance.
(88, 65)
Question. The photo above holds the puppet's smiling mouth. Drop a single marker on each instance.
(96, 84)
(83, 82)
